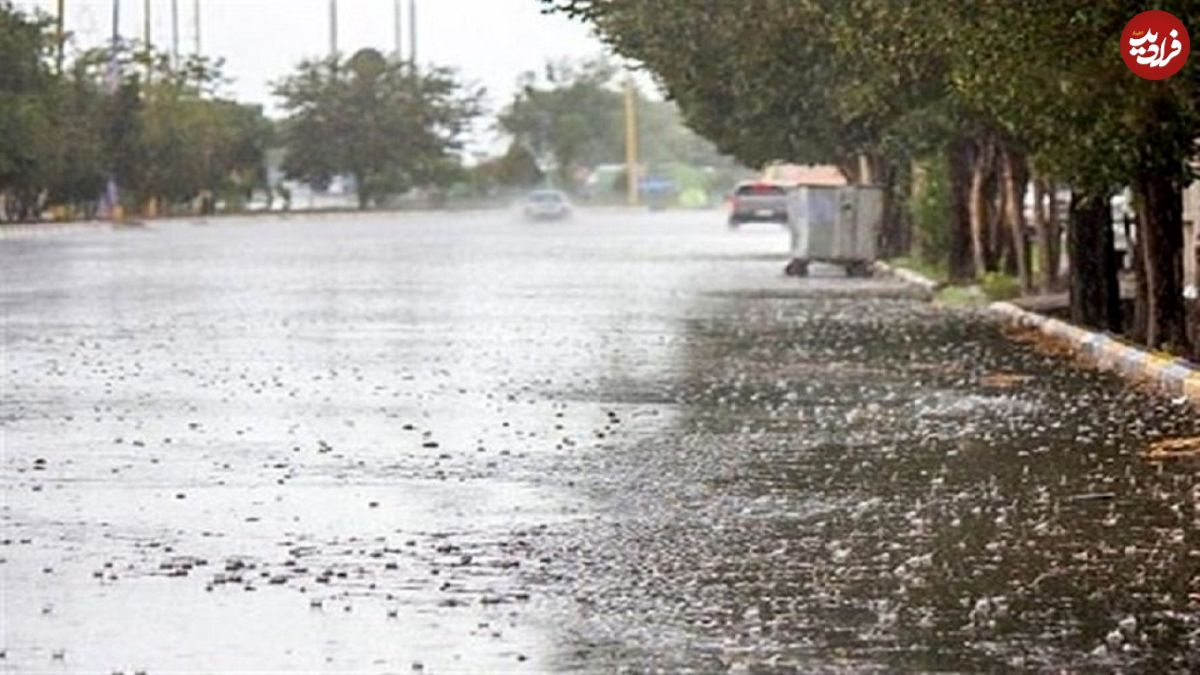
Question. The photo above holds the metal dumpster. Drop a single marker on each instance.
(837, 225)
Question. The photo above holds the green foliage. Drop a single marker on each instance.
(382, 122)
(814, 81)
(990, 84)
(999, 286)
(161, 131)
(929, 210)
(931, 270)
(961, 295)
(798, 80)
(516, 168)
(572, 116)
(568, 117)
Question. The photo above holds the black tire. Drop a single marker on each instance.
(796, 268)
(858, 269)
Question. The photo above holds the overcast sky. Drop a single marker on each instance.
(489, 41)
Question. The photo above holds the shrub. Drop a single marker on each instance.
(998, 286)
(929, 209)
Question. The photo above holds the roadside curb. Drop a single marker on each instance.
(14, 229)
(907, 276)
(1173, 376)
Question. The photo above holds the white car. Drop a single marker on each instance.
(546, 205)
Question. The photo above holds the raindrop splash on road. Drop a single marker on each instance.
(399, 443)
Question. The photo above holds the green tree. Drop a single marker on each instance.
(516, 168)
(26, 83)
(572, 117)
(992, 88)
(124, 112)
(568, 117)
(384, 123)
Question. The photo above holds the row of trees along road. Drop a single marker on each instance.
(127, 113)
(161, 131)
(988, 95)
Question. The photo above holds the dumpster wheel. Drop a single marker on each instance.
(858, 268)
(798, 267)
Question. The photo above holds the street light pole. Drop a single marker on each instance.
(631, 142)
(147, 44)
(175, 33)
(397, 28)
(412, 32)
(59, 36)
(116, 213)
(196, 26)
(333, 28)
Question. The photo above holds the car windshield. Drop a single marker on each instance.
(547, 197)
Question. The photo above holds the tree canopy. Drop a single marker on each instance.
(995, 89)
(572, 116)
(161, 131)
(388, 125)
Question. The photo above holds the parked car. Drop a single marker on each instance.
(758, 202)
(546, 205)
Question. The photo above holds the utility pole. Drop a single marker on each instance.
(631, 142)
(397, 29)
(113, 192)
(114, 47)
(147, 44)
(196, 26)
(333, 28)
(412, 32)
(175, 33)
(59, 36)
(116, 35)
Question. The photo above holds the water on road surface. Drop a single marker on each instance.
(465, 443)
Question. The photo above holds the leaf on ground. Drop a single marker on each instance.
(1002, 380)
(1174, 448)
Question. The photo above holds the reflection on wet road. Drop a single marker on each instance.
(466, 443)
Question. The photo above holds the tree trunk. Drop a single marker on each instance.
(361, 191)
(1048, 274)
(1137, 252)
(1161, 234)
(999, 236)
(891, 238)
(901, 189)
(1094, 290)
(1054, 223)
(851, 168)
(978, 208)
(1014, 197)
(961, 265)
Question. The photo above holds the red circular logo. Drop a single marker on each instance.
(1155, 45)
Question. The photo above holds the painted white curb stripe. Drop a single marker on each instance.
(1174, 376)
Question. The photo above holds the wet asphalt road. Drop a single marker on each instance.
(472, 444)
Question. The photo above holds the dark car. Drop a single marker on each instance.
(758, 202)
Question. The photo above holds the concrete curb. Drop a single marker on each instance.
(1173, 376)
(907, 276)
